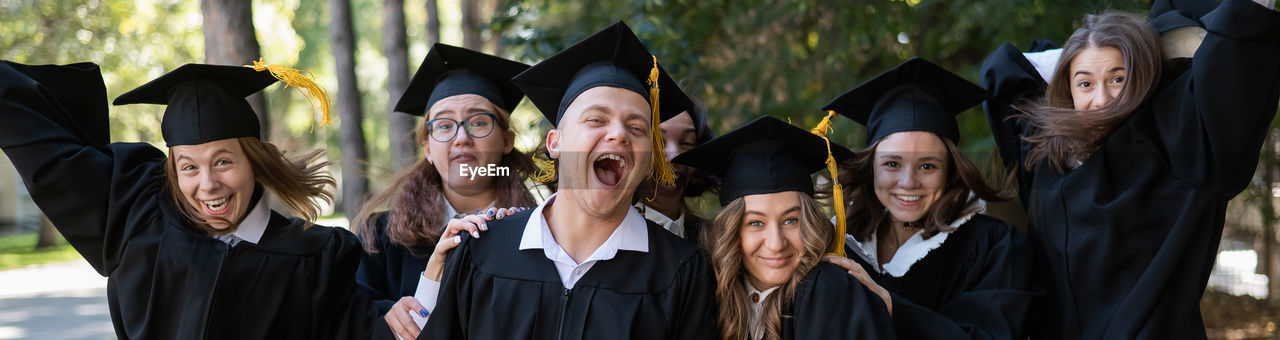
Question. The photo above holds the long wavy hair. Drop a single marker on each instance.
(965, 185)
(1061, 134)
(723, 241)
(415, 198)
(301, 183)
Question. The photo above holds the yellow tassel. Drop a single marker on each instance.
(545, 171)
(302, 80)
(837, 192)
(662, 173)
(825, 125)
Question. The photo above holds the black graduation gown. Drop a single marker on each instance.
(390, 274)
(393, 272)
(494, 290)
(165, 280)
(1127, 239)
(976, 285)
(693, 228)
(831, 304)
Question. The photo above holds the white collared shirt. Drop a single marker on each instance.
(251, 228)
(632, 234)
(911, 251)
(450, 213)
(675, 226)
(757, 307)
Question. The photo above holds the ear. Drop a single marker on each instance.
(426, 152)
(508, 141)
(553, 143)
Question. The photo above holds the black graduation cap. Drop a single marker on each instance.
(765, 156)
(205, 102)
(916, 95)
(611, 57)
(449, 71)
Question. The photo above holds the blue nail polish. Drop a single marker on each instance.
(423, 313)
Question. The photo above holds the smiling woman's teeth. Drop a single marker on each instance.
(908, 198)
(217, 204)
(622, 163)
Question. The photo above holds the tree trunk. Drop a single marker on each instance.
(48, 235)
(471, 25)
(351, 132)
(1266, 259)
(433, 22)
(229, 39)
(495, 37)
(395, 46)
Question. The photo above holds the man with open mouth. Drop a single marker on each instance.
(585, 264)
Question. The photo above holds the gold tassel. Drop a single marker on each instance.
(302, 80)
(824, 126)
(837, 192)
(661, 169)
(545, 171)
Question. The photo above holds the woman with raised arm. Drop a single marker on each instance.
(186, 240)
(1127, 162)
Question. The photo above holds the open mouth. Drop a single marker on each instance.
(217, 206)
(665, 187)
(908, 200)
(609, 169)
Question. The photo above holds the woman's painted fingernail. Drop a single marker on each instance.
(500, 214)
(457, 239)
(484, 227)
(475, 234)
(423, 313)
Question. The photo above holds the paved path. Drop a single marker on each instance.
(54, 301)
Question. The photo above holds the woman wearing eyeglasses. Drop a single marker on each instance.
(466, 98)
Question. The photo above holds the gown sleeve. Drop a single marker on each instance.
(97, 195)
(698, 308)
(373, 271)
(350, 311)
(452, 310)
(996, 305)
(834, 305)
(1011, 79)
(1212, 120)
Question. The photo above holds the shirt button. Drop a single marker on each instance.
(755, 297)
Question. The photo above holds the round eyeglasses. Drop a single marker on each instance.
(479, 125)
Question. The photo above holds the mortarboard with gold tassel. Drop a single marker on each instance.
(206, 103)
(613, 57)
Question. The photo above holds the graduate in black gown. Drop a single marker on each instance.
(665, 205)
(916, 227)
(585, 264)
(1127, 221)
(466, 98)
(767, 243)
(188, 244)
